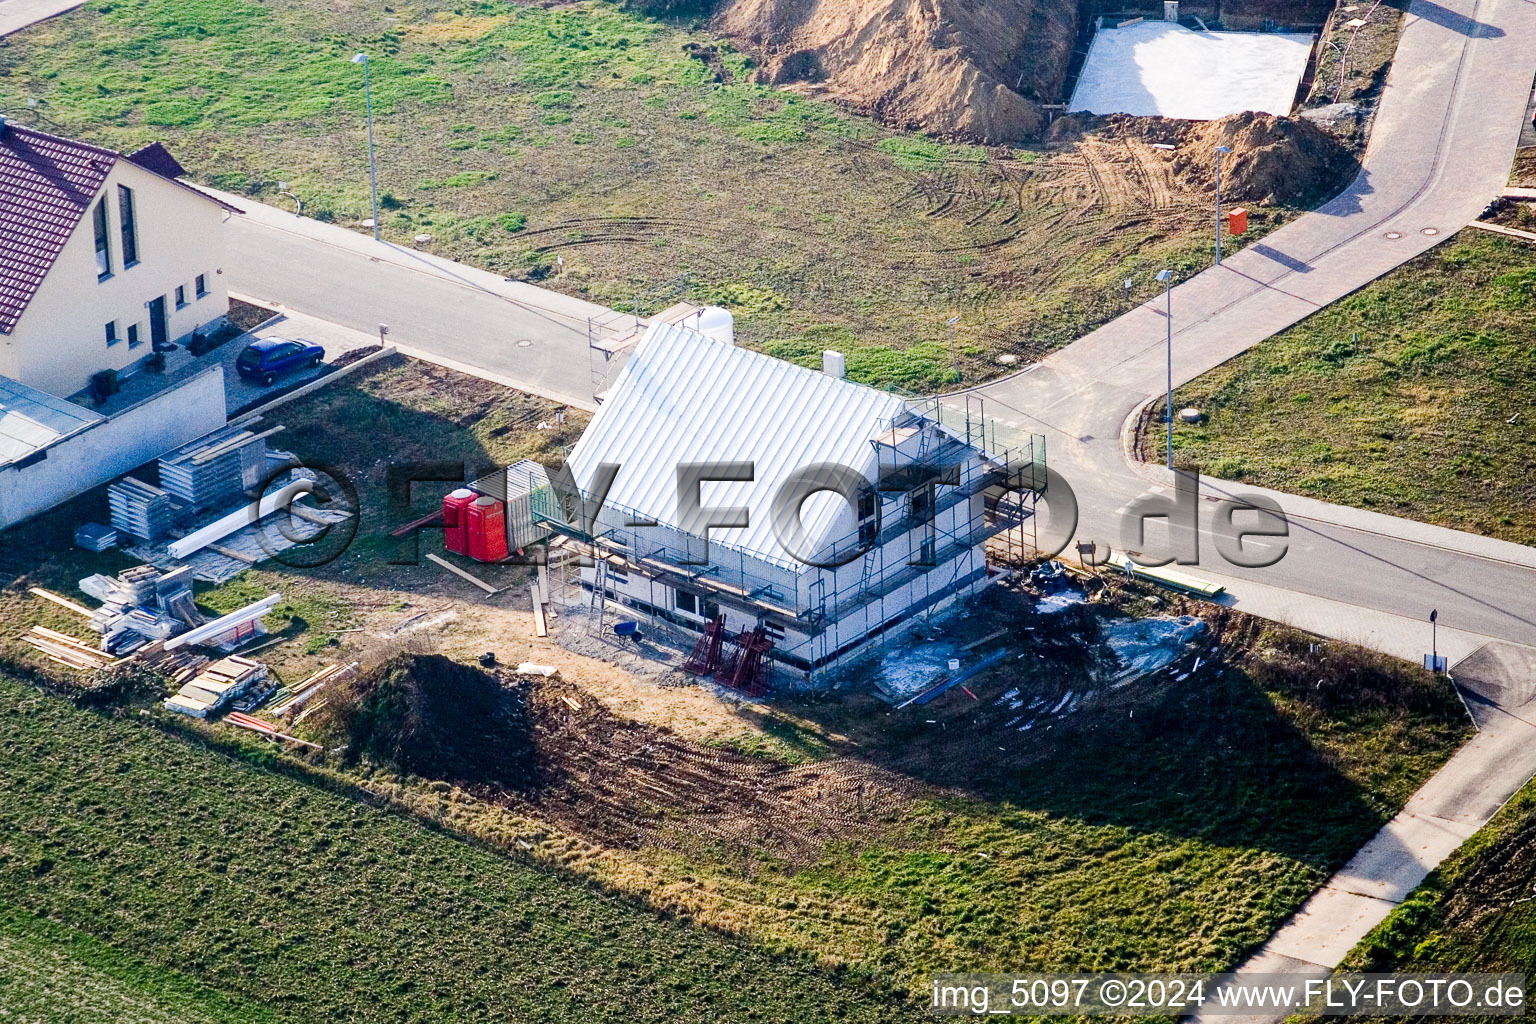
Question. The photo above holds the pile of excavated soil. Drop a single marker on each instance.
(956, 68)
(1275, 160)
(427, 715)
(1283, 161)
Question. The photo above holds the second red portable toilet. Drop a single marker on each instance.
(487, 530)
(1237, 221)
(456, 520)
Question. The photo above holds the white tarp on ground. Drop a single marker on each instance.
(1162, 68)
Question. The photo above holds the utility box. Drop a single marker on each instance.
(1237, 221)
(1170, 10)
(456, 520)
(486, 528)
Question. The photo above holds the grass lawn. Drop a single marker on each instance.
(1473, 913)
(515, 133)
(1413, 396)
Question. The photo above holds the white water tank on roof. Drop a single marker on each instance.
(718, 323)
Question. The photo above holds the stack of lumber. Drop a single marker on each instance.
(140, 509)
(298, 695)
(216, 685)
(217, 467)
(179, 666)
(66, 650)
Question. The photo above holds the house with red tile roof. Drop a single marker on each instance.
(105, 258)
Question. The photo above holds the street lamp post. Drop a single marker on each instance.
(1221, 151)
(373, 170)
(1166, 277)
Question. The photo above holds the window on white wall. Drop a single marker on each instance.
(201, 285)
(181, 296)
(103, 241)
(112, 338)
(128, 225)
(133, 336)
(687, 602)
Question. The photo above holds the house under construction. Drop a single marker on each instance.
(859, 567)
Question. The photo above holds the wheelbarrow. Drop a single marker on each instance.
(628, 630)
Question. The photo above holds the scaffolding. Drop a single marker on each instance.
(934, 463)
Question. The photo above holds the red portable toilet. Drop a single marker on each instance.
(487, 530)
(1237, 221)
(456, 519)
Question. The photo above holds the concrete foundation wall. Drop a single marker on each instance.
(130, 438)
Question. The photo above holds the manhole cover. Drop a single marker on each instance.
(525, 343)
(1394, 234)
(1007, 358)
(1430, 231)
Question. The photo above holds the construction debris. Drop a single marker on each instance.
(178, 666)
(293, 697)
(140, 509)
(257, 725)
(141, 604)
(239, 519)
(63, 602)
(216, 685)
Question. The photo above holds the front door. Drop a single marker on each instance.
(159, 332)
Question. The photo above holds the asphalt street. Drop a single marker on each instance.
(1441, 149)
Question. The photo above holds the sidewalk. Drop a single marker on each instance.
(1459, 799)
(16, 15)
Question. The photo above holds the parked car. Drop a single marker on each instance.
(267, 359)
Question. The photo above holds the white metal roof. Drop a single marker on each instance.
(31, 419)
(684, 397)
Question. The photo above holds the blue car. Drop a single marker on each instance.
(267, 359)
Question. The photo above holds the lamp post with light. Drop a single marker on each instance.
(1221, 151)
(373, 170)
(1166, 277)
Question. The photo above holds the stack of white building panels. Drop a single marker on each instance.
(140, 509)
(217, 468)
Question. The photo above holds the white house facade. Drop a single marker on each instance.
(103, 258)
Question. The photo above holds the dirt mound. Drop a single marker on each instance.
(1274, 159)
(951, 67)
(433, 717)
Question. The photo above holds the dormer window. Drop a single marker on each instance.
(103, 242)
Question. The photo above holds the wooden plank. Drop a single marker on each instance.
(540, 624)
(464, 575)
(62, 602)
(232, 553)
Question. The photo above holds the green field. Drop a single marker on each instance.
(513, 134)
(1412, 397)
(299, 904)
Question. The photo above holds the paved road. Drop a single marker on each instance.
(1440, 151)
(526, 336)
